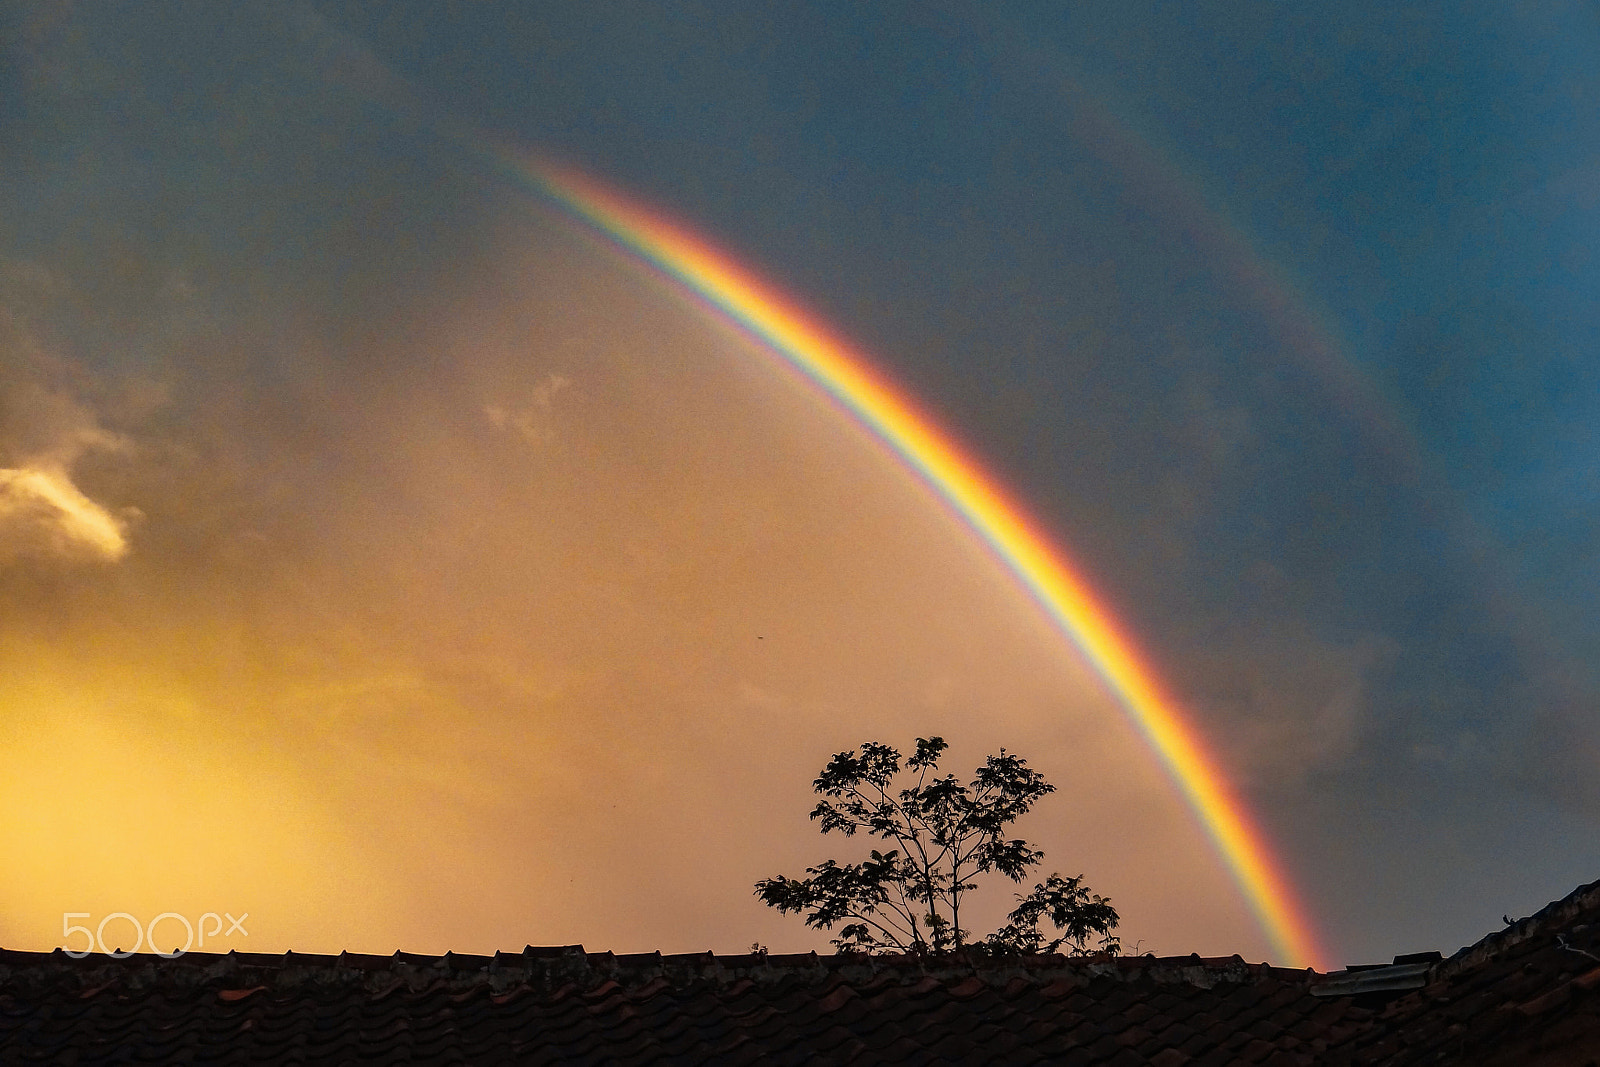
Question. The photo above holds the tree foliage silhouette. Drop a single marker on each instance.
(908, 898)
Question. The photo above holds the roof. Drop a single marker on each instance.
(1527, 994)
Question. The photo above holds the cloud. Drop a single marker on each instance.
(1286, 703)
(532, 423)
(43, 514)
(44, 431)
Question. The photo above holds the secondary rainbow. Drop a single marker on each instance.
(848, 377)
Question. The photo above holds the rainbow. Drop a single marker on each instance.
(846, 375)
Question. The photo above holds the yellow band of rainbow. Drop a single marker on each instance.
(846, 375)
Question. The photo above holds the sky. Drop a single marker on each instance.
(388, 555)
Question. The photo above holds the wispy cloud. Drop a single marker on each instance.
(43, 514)
(533, 422)
(44, 431)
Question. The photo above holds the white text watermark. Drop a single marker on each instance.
(146, 932)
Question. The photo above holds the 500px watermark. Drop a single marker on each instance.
(143, 933)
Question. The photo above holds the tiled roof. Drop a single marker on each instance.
(568, 1006)
(1528, 994)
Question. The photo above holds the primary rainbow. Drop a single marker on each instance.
(847, 376)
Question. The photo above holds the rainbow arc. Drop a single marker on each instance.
(1044, 571)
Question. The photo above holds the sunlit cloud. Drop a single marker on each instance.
(42, 514)
(44, 432)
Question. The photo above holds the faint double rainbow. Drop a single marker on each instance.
(846, 375)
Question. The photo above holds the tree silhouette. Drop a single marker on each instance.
(908, 898)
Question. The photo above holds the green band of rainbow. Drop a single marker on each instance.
(847, 376)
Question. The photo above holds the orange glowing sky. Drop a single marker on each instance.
(527, 619)
(413, 545)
